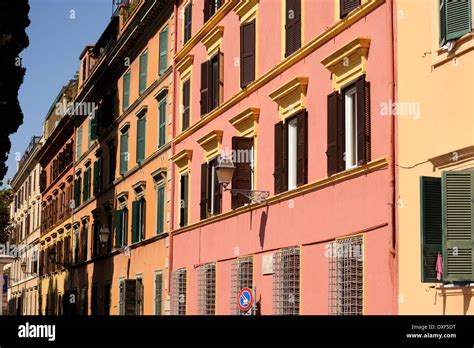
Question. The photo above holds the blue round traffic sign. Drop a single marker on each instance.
(245, 299)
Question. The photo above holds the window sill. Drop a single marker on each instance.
(462, 45)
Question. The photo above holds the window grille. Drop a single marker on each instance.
(158, 293)
(178, 292)
(207, 289)
(286, 281)
(241, 277)
(346, 277)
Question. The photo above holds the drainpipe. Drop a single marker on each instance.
(173, 133)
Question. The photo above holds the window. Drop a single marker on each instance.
(93, 129)
(291, 153)
(142, 83)
(97, 175)
(292, 26)
(286, 282)
(76, 245)
(183, 204)
(138, 220)
(141, 133)
(188, 17)
(79, 143)
(84, 237)
(160, 209)
(186, 103)
(349, 127)
(162, 122)
(121, 297)
(94, 299)
(247, 53)
(211, 83)
(126, 91)
(158, 293)
(455, 19)
(107, 298)
(346, 276)
(241, 277)
(121, 221)
(77, 190)
(163, 60)
(95, 238)
(112, 162)
(243, 149)
(83, 308)
(178, 292)
(139, 297)
(211, 7)
(207, 289)
(211, 194)
(124, 151)
(347, 6)
(86, 193)
(448, 235)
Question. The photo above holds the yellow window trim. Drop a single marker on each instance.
(348, 62)
(213, 40)
(291, 97)
(183, 160)
(246, 10)
(211, 143)
(184, 67)
(246, 122)
(453, 158)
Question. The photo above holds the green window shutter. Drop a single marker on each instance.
(158, 293)
(126, 91)
(163, 64)
(143, 72)
(431, 227)
(96, 177)
(458, 225)
(93, 128)
(135, 218)
(76, 187)
(141, 131)
(161, 210)
(79, 186)
(79, 143)
(124, 153)
(118, 228)
(455, 19)
(162, 123)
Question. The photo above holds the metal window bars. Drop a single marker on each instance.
(241, 277)
(178, 292)
(346, 281)
(286, 281)
(206, 289)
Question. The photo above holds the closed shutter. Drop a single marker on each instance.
(280, 183)
(292, 26)
(302, 148)
(347, 6)
(96, 177)
(184, 201)
(186, 103)
(163, 64)
(431, 227)
(205, 72)
(207, 10)
(242, 179)
(84, 186)
(123, 153)
(93, 130)
(363, 120)
(458, 225)
(332, 145)
(126, 91)
(141, 131)
(203, 202)
(158, 293)
(130, 297)
(135, 220)
(216, 191)
(143, 72)
(162, 123)
(188, 15)
(161, 209)
(118, 228)
(455, 19)
(79, 143)
(247, 53)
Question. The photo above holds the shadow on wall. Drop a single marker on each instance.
(453, 293)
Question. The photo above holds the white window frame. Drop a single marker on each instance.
(292, 153)
(350, 116)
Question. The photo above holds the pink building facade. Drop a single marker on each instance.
(304, 103)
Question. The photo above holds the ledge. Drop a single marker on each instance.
(211, 143)
(246, 122)
(453, 158)
(213, 40)
(291, 97)
(182, 159)
(185, 64)
(246, 10)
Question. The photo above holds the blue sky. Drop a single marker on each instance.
(59, 31)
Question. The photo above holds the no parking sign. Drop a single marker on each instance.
(245, 299)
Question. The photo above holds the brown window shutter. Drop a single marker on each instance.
(203, 203)
(302, 148)
(341, 135)
(219, 75)
(205, 87)
(242, 178)
(247, 53)
(217, 192)
(281, 145)
(183, 221)
(207, 10)
(332, 149)
(363, 120)
(130, 296)
(289, 27)
(347, 6)
(188, 22)
(186, 101)
(297, 26)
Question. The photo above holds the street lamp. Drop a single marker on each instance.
(225, 171)
(104, 234)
